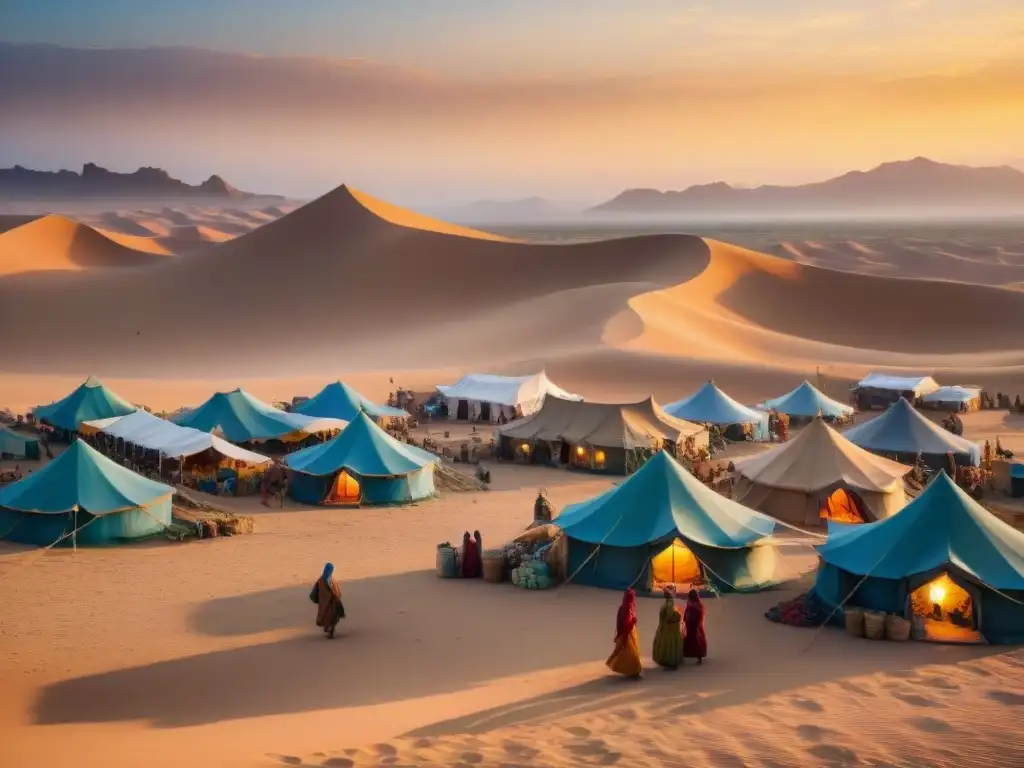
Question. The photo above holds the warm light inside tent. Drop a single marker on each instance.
(675, 564)
(581, 451)
(344, 490)
(525, 448)
(936, 593)
(599, 459)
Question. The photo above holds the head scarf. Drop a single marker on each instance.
(328, 572)
(626, 619)
(693, 597)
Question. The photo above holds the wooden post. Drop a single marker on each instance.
(74, 529)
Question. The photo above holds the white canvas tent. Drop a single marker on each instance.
(485, 396)
(919, 385)
(148, 431)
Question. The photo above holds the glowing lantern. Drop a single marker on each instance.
(580, 450)
(937, 593)
(525, 448)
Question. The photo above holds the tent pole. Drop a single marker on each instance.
(74, 529)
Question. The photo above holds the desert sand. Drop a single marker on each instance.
(206, 653)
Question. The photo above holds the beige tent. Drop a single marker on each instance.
(820, 475)
(603, 437)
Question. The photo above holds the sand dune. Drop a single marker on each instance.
(57, 243)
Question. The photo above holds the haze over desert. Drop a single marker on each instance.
(319, 198)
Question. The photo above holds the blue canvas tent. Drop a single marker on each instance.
(340, 401)
(83, 489)
(903, 432)
(242, 418)
(710, 405)
(943, 531)
(91, 400)
(362, 465)
(17, 446)
(807, 402)
(615, 538)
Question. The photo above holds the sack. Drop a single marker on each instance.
(854, 622)
(896, 628)
(874, 625)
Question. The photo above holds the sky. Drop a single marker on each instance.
(438, 101)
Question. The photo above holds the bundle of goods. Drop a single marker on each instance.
(190, 518)
(447, 561)
(532, 573)
(806, 610)
(494, 565)
(447, 478)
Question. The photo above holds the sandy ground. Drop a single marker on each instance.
(205, 653)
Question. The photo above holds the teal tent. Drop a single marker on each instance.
(903, 432)
(17, 446)
(942, 531)
(83, 489)
(632, 524)
(806, 402)
(710, 405)
(242, 418)
(340, 401)
(90, 401)
(362, 465)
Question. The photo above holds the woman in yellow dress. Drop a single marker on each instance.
(625, 659)
(668, 639)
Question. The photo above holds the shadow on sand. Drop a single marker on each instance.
(412, 635)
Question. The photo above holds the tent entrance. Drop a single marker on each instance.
(462, 410)
(842, 506)
(946, 610)
(344, 490)
(675, 565)
(485, 411)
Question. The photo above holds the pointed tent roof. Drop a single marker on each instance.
(242, 418)
(659, 500)
(82, 478)
(942, 526)
(340, 401)
(817, 458)
(363, 448)
(90, 400)
(901, 429)
(606, 425)
(505, 390)
(807, 401)
(149, 431)
(710, 405)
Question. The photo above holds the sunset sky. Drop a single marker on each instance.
(440, 101)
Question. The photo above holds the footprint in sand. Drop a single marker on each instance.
(930, 725)
(423, 743)
(854, 688)
(471, 758)
(915, 700)
(578, 732)
(812, 732)
(338, 762)
(832, 753)
(808, 705)
(522, 751)
(385, 750)
(940, 683)
(1007, 698)
(288, 759)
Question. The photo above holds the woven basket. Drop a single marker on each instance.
(896, 628)
(854, 622)
(874, 625)
(494, 568)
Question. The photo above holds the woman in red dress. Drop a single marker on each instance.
(470, 558)
(695, 642)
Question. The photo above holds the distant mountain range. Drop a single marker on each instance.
(20, 183)
(918, 184)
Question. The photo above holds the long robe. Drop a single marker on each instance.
(470, 566)
(625, 659)
(668, 639)
(329, 608)
(695, 644)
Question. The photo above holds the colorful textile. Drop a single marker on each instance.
(668, 639)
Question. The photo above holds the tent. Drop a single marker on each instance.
(155, 434)
(83, 489)
(484, 396)
(942, 536)
(801, 481)
(339, 401)
(881, 389)
(602, 437)
(17, 446)
(90, 401)
(710, 405)
(806, 402)
(242, 418)
(619, 538)
(362, 465)
(953, 398)
(902, 432)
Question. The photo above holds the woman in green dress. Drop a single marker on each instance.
(668, 639)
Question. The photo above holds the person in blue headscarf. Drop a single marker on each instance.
(327, 596)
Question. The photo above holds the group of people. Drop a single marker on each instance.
(679, 635)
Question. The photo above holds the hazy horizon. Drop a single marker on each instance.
(444, 104)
